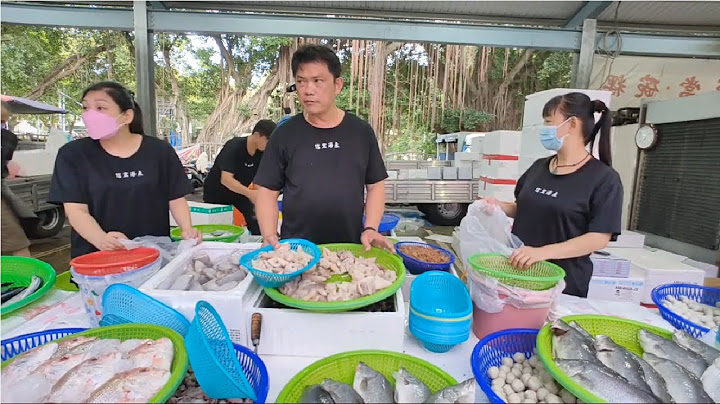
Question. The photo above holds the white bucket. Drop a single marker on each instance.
(93, 287)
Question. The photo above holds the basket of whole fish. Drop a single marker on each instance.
(365, 377)
(125, 363)
(346, 278)
(608, 359)
(24, 280)
(693, 308)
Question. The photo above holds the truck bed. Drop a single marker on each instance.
(431, 191)
(33, 190)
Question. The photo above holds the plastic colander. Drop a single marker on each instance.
(19, 271)
(700, 294)
(124, 304)
(271, 280)
(212, 357)
(542, 275)
(103, 263)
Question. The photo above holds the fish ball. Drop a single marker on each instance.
(684, 299)
(518, 386)
(505, 368)
(534, 383)
(542, 392)
(510, 377)
(552, 398)
(519, 357)
(533, 361)
(567, 397)
(552, 387)
(671, 298)
(514, 398)
(528, 401)
(507, 361)
(531, 395)
(498, 382)
(525, 377)
(493, 372)
(502, 375)
(508, 390)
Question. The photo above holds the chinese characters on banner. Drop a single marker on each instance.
(632, 79)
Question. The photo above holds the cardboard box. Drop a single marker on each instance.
(628, 239)
(450, 173)
(392, 174)
(208, 213)
(294, 332)
(418, 174)
(465, 173)
(617, 289)
(609, 265)
(712, 282)
(434, 173)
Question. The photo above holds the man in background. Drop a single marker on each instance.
(13, 240)
(228, 182)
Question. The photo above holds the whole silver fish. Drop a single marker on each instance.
(569, 343)
(35, 284)
(409, 389)
(603, 382)
(371, 385)
(96, 347)
(341, 392)
(315, 394)
(581, 330)
(667, 349)
(711, 380)
(654, 380)
(134, 386)
(691, 343)
(459, 393)
(682, 386)
(621, 361)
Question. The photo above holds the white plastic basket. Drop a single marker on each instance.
(227, 303)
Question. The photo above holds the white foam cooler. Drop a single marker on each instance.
(499, 166)
(503, 142)
(500, 189)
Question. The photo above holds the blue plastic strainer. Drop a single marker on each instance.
(213, 359)
(124, 304)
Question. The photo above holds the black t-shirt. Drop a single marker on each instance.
(233, 158)
(323, 174)
(556, 208)
(130, 195)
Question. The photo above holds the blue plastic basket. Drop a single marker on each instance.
(255, 370)
(388, 222)
(490, 350)
(700, 294)
(418, 267)
(124, 304)
(271, 280)
(218, 371)
(12, 347)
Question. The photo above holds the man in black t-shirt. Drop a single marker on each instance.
(322, 160)
(230, 177)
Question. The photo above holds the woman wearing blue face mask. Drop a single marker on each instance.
(568, 205)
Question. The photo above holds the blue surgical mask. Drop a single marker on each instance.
(549, 138)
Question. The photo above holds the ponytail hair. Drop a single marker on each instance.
(124, 98)
(580, 106)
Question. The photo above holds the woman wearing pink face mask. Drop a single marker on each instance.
(118, 183)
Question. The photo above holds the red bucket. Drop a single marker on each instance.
(103, 263)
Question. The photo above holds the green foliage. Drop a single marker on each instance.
(464, 120)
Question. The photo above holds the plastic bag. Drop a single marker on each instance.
(486, 229)
(491, 296)
(168, 248)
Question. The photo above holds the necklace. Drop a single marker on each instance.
(555, 158)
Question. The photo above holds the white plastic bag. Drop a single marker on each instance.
(491, 296)
(168, 248)
(486, 229)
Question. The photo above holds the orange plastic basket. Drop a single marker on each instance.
(103, 263)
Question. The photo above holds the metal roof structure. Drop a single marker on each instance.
(656, 28)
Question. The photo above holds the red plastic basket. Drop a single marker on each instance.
(103, 263)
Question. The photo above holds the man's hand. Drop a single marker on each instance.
(524, 257)
(252, 195)
(370, 238)
(192, 232)
(110, 241)
(274, 241)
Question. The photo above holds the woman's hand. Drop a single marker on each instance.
(191, 233)
(274, 241)
(371, 238)
(492, 205)
(110, 241)
(524, 257)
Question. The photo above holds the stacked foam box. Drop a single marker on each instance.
(499, 168)
(530, 147)
(468, 165)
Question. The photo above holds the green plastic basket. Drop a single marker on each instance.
(139, 331)
(237, 231)
(623, 332)
(62, 282)
(383, 258)
(341, 368)
(20, 270)
(542, 275)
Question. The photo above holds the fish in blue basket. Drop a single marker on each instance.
(619, 359)
(604, 382)
(459, 393)
(315, 394)
(134, 386)
(690, 343)
(372, 386)
(667, 349)
(341, 392)
(409, 389)
(682, 386)
(569, 343)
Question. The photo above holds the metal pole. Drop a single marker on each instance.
(587, 52)
(144, 51)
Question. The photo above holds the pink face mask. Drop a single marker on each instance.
(100, 126)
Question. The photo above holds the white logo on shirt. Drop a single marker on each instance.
(249, 165)
(130, 174)
(327, 145)
(548, 192)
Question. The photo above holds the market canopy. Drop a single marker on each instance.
(19, 105)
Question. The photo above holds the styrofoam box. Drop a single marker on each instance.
(610, 266)
(467, 156)
(504, 142)
(403, 174)
(34, 162)
(656, 273)
(294, 332)
(534, 103)
(208, 213)
(508, 169)
(465, 173)
(418, 174)
(434, 173)
(501, 192)
(617, 289)
(392, 174)
(227, 303)
(628, 239)
(711, 271)
(450, 173)
(464, 163)
(476, 172)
